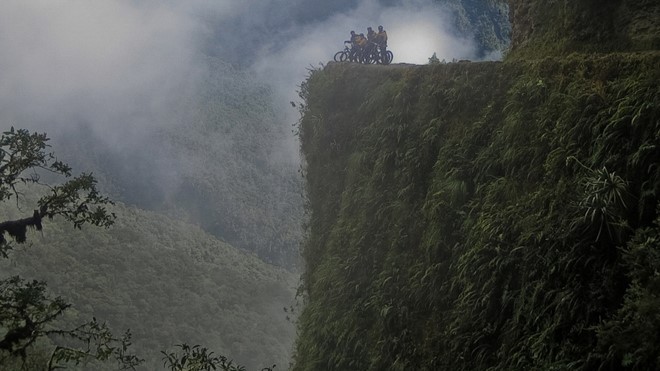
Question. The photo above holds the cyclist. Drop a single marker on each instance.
(354, 48)
(361, 43)
(381, 40)
(371, 51)
(371, 34)
(352, 39)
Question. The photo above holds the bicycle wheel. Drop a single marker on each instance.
(389, 57)
(366, 58)
(373, 58)
(340, 56)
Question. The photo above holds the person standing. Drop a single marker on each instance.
(381, 40)
(371, 34)
(372, 47)
(352, 56)
(361, 42)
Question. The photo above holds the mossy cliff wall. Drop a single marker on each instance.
(470, 216)
(543, 27)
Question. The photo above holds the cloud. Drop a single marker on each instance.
(114, 65)
(122, 67)
(416, 29)
(124, 63)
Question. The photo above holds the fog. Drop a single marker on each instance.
(122, 66)
(416, 30)
(110, 64)
(122, 71)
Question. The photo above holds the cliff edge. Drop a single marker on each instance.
(499, 215)
(541, 28)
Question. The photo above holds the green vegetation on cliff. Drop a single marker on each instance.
(542, 27)
(483, 215)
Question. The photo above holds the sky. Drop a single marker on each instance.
(121, 66)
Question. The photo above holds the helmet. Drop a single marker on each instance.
(352, 32)
(380, 28)
(369, 29)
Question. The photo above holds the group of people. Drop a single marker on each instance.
(362, 47)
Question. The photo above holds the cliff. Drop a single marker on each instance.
(541, 28)
(501, 215)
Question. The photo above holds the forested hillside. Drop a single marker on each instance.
(223, 162)
(486, 22)
(501, 215)
(167, 281)
(222, 187)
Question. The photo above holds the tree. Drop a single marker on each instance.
(77, 200)
(434, 59)
(26, 311)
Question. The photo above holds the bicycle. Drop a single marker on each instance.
(346, 54)
(389, 56)
(371, 54)
(374, 55)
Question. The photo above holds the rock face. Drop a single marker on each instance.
(565, 26)
(456, 219)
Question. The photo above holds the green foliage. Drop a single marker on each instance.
(196, 358)
(97, 344)
(460, 227)
(434, 59)
(76, 200)
(26, 312)
(541, 28)
(603, 201)
(630, 336)
(27, 318)
(21, 150)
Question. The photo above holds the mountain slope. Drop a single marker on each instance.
(483, 21)
(222, 161)
(482, 215)
(169, 282)
(499, 216)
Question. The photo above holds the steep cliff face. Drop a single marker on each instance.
(483, 215)
(542, 27)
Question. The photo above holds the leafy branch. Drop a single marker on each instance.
(603, 200)
(77, 199)
(197, 358)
